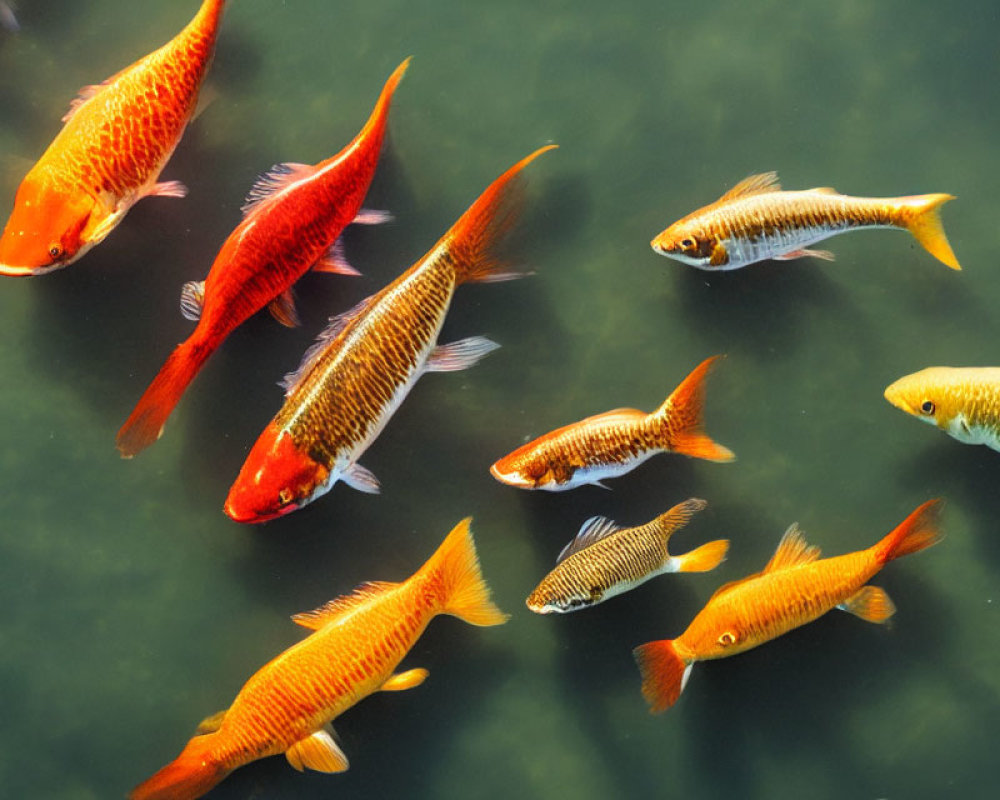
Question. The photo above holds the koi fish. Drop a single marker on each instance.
(357, 642)
(794, 588)
(756, 220)
(293, 218)
(964, 402)
(353, 379)
(605, 560)
(610, 444)
(117, 139)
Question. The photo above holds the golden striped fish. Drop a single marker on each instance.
(355, 377)
(964, 402)
(605, 560)
(756, 220)
(117, 139)
(794, 588)
(614, 443)
(358, 640)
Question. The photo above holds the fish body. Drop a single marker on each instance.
(611, 444)
(964, 402)
(756, 220)
(356, 644)
(352, 381)
(605, 560)
(293, 220)
(795, 587)
(117, 139)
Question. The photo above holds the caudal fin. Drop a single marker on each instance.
(145, 423)
(923, 220)
(664, 673)
(187, 777)
(704, 558)
(680, 418)
(465, 594)
(471, 240)
(917, 532)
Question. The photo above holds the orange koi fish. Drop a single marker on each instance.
(756, 220)
(964, 402)
(293, 219)
(117, 139)
(794, 588)
(356, 644)
(615, 442)
(355, 377)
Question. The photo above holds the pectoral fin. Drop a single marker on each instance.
(404, 680)
(460, 355)
(318, 752)
(282, 308)
(870, 603)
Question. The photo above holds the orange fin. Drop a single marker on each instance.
(764, 183)
(918, 531)
(664, 673)
(704, 558)
(622, 415)
(792, 551)
(870, 603)
(404, 680)
(471, 240)
(339, 606)
(925, 225)
(681, 414)
(283, 309)
(319, 752)
(465, 593)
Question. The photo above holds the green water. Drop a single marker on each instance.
(132, 608)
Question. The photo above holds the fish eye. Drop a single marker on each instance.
(55, 250)
(927, 407)
(687, 244)
(285, 496)
(727, 639)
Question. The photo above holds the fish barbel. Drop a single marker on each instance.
(293, 218)
(756, 220)
(964, 402)
(795, 587)
(117, 139)
(613, 443)
(605, 560)
(355, 377)
(356, 644)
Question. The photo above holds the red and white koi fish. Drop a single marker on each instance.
(794, 588)
(756, 220)
(616, 442)
(357, 642)
(354, 378)
(117, 139)
(293, 218)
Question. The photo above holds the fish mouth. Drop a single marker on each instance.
(513, 478)
(23, 272)
(895, 396)
(253, 517)
(541, 608)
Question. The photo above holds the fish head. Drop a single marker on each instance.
(690, 244)
(928, 396)
(524, 472)
(547, 599)
(46, 229)
(276, 479)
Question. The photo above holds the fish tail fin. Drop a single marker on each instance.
(704, 558)
(923, 220)
(680, 418)
(470, 241)
(188, 776)
(664, 673)
(373, 131)
(915, 533)
(145, 423)
(464, 593)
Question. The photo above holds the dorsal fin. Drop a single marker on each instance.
(593, 530)
(678, 516)
(732, 585)
(339, 606)
(617, 415)
(333, 329)
(764, 183)
(792, 551)
(269, 183)
(823, 190)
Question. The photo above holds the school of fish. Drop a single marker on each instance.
(116, 140)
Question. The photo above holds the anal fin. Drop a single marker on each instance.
(405, 680)
(319, 752)
(283, 309)
(825, 255)
(192, 300)
(870, 603)
(460, 354)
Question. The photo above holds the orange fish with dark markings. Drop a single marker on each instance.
(358, 640)
(794, 588)
(117, 139)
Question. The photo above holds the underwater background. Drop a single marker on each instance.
(133, 608)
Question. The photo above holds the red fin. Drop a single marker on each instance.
(870, 603)
(916, 532)
(145, 423)
(471, 239)
(283, 309)
(187, 777)
(664, 673)
(681, 413)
